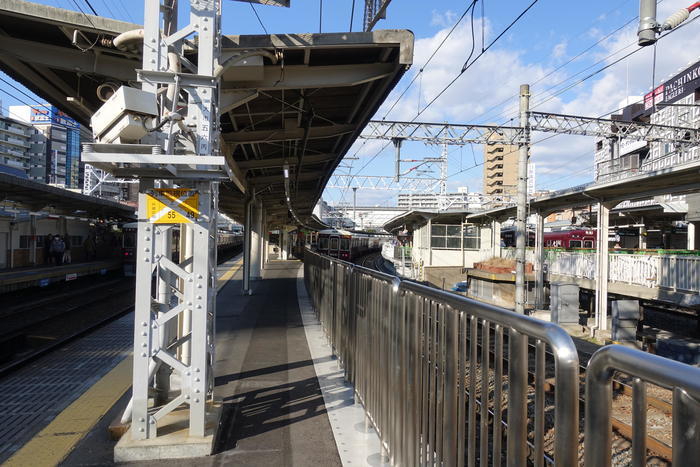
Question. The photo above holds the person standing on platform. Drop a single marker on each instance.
(90, 247)
(66, 253)
(58, 247)
(48, 256)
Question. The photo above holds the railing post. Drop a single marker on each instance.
(598, 424)
(451, 385)
(517, 399)
(686, 432)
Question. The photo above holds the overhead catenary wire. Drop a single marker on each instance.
(571, 60)
(84, 14)
(23, 93)
(558, 68)
(352, 14)
(258, 16)
(432, 55)
(94, 12)
(109, 9)
(419, 74)
(461, 73)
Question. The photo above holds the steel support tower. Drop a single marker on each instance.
(178, 165)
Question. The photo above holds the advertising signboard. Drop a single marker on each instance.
(677, 87)
(50, 114)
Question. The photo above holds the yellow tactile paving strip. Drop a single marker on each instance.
(225, 277)
(52, 444)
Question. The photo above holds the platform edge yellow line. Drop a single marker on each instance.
(53, 444)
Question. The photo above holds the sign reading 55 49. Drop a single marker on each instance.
(172, 205)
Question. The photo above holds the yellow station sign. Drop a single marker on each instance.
(172, 205)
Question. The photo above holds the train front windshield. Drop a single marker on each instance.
(334, 244)
(323, 244)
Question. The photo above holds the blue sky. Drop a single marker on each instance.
(536, 51)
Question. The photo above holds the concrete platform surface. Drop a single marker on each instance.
(273, 409)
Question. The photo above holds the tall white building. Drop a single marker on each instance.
(462, 199)
(22, 150)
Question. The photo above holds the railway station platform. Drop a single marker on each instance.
(41, 276)
(285, 401)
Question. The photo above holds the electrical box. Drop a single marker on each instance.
(564, 303)
(122, 117)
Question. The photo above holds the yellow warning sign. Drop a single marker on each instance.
(172, 205)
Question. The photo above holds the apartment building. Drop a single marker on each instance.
(22, 149)
(501, 171)
(60, 135)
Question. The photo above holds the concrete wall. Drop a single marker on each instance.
(444, 276)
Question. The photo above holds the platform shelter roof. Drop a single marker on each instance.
(304, 111)
(35, 197)
(417, 218)
(681, 179)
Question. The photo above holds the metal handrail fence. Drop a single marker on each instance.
(428, 367)
(644, 368)
(674, 272)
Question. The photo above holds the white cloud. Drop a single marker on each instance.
(559, 50)
(478, 96)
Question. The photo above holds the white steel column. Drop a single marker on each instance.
(247, 246)
(186, 290)
(284, 244)
(691, 236)
(602, 264)
(642, 238)
(32, 239)
(495, 238)
(539, 260)
(264, 234)
(256, 243)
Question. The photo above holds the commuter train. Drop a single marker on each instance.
(225, 241)
(577, 238)
(348, 246)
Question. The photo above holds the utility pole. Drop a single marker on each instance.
(354, 206)
(521, 219)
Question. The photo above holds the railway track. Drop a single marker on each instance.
(37, 328)
(621, 389)
(64, 316)
(374, 261)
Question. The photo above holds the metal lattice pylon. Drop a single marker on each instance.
(462, 134)
(378, 182)
(374, 11)
(174, 330)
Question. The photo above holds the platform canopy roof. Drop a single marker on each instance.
(680, 179)
(35, 197)
(304, 111)
(410, 220)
